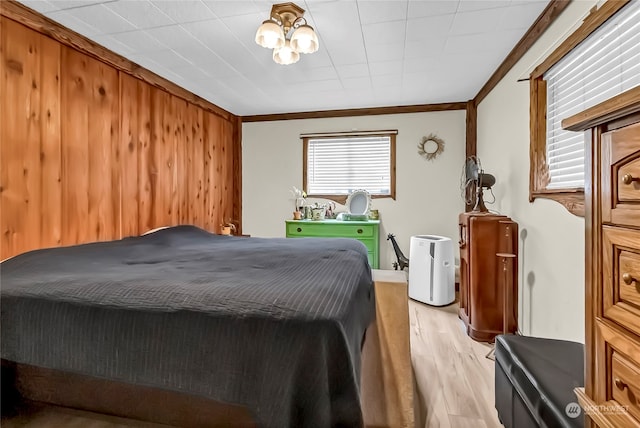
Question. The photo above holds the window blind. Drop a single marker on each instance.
(605, 64)
(337, 166)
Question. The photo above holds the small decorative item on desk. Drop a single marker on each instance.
(358, 205)
(297, 215)
(374, 215)
(300, 198)
(331, 210)
(318, 211)
(227, 228)
(307, 215)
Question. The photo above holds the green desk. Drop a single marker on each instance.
(366, 232)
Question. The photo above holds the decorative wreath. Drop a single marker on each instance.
(430, 147)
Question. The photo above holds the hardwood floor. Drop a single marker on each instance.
(454, 380)
(59, 417)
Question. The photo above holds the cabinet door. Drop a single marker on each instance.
(465, 308)
(484, 290)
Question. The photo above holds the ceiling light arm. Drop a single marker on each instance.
(300, 21)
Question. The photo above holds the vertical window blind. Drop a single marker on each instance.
(339, 165)
(605, 64)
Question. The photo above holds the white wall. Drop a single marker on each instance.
(552, 254)
(427, 192)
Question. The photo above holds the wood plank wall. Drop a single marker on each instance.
(89, 153)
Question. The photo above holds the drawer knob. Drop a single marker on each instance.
(299, 229)
(359, 230)
(620, 384)
(628, 279)
(628, 179)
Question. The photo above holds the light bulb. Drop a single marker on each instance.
(270, 35)
(270, 39)
(304, 43)
(285, 55)
(304, 40)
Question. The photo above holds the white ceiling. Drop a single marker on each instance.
(372, 53)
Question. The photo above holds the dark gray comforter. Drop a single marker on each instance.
(272, 324)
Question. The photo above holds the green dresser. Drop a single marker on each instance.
(366, 232)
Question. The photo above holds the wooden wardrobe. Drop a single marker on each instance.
(488, 274)
(611, 397)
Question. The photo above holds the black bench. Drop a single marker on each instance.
(535, 379)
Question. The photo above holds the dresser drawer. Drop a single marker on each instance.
(364, 231)
(371, 258)
(621, 176)
(343, 230)
(629, 280)
(625, 383)
(621, 276)
(616, 383)
(629, 181)
(369, 243)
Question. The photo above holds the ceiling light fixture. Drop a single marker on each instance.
(287, 33)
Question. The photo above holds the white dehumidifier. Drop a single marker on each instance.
(432, 270)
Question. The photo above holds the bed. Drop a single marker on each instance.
(272, 326)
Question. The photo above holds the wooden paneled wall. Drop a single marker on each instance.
(89, 152)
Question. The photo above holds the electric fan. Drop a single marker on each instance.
(472, 182)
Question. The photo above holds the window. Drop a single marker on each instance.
(337, 164)
(600, 60)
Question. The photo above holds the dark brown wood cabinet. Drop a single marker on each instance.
(488, 274)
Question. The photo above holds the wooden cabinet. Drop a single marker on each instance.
(488, 274)
(366, 232)
(611, 397)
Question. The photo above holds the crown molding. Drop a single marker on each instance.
(421, 108)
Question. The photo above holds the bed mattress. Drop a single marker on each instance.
(272, 324)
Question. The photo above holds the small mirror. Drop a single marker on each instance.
(359, 202)
(430, 147)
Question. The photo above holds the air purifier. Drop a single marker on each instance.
(432, 270)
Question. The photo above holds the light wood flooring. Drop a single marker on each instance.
(454, 380)
(60, 417)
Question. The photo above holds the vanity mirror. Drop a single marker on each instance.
(358, 204)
